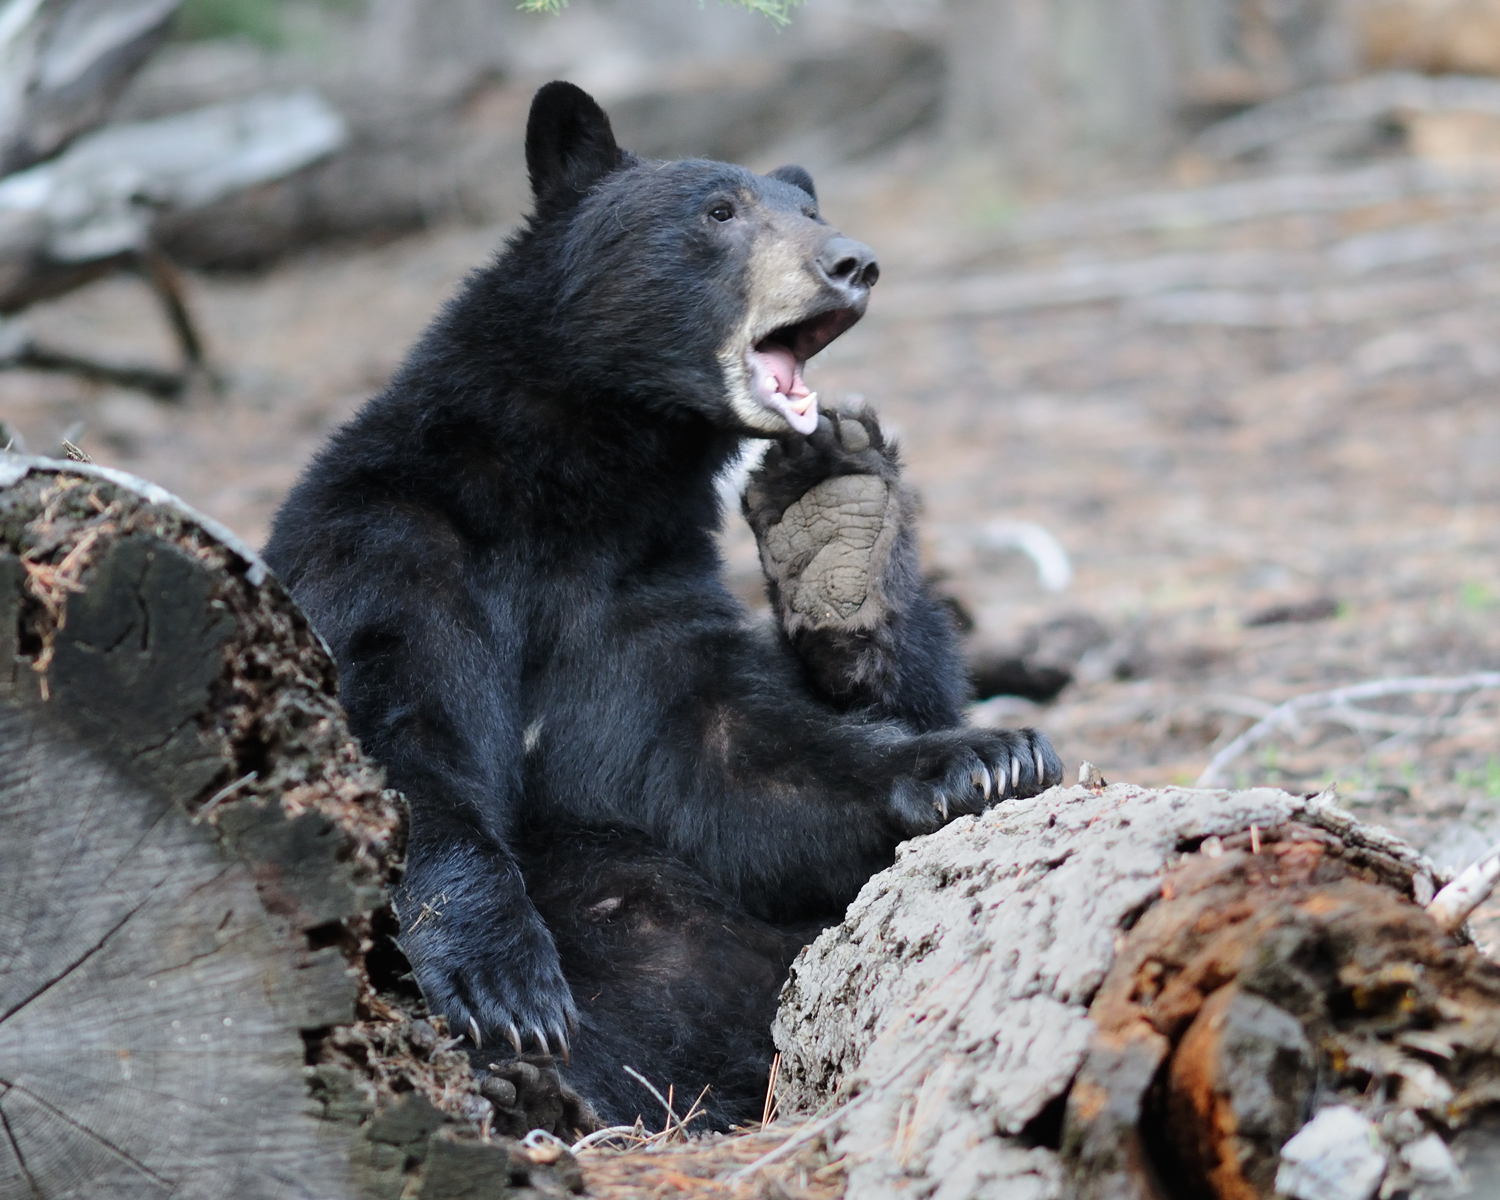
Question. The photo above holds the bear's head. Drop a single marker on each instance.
(690, 286)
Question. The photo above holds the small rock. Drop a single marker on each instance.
(1090, 776)
(1430, 1161)
(406, 1121)
(1335, 1156)
(422, 1036)
(1400, 1125)
(474, 1108)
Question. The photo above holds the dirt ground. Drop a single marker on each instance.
(1215, 415)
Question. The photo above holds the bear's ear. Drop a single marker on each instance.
(797, 177)
(569, 146)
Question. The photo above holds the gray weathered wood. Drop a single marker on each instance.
(950, 1013)
(193, 860)
(150, 1038)
(63, 63)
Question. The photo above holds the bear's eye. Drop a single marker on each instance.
(722, 211)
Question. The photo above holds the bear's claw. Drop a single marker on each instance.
(489, 977)
(965, 771)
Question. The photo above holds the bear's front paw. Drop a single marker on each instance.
(832, 522)
(495, 990)
(969, 770)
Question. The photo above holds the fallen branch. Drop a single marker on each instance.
(1336, 707)
(1338, 284)
(63, 64)
(1251, 200)
(1177, 987)
(1451, 907)
(1369, 99)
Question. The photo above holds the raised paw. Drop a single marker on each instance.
(969, 770)
(833, 524)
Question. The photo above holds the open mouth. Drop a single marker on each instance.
(776, 363)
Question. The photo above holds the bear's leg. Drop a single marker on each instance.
(835, 528)
(671, 978)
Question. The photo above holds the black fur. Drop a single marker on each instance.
(629, 807)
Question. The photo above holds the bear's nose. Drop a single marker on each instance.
(849, 266)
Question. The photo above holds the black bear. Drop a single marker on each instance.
(629, 805)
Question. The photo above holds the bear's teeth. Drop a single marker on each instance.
(776, 383)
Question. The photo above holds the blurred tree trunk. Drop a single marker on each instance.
(1058, 89)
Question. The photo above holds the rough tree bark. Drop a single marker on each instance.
(1118, 992)
(199, 994)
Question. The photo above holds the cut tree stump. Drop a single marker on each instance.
(199, 990)
(1115, 992)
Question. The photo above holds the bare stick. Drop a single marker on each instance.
(672, 1117)
(223, 794)
(166, 281)
(1451, 907)
(631, 1133)
(1338, 702)
(768, 1110)
(694, 1112)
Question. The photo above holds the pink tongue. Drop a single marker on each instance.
(777, 383)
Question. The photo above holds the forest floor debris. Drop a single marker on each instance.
(701, 1167)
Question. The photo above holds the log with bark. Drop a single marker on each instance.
(199, 990)
(1117, 992)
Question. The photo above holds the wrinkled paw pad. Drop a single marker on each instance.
(824, 547)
